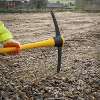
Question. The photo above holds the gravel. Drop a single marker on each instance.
(32, 75)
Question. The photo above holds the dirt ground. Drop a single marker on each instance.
(32, 75)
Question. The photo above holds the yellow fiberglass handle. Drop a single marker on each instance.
(45, 43)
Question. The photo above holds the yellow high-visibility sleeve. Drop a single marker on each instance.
(5, 34)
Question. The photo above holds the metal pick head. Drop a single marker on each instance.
(57, 39)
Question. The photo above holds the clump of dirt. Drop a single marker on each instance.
(31, 75)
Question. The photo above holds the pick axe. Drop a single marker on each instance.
(56, 41)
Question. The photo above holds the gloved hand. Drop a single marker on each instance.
(12, 43)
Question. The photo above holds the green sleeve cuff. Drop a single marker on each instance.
(5, 34)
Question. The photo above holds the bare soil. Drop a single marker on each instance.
(32, 75)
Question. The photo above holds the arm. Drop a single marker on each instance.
(5, 34)
(7, 40)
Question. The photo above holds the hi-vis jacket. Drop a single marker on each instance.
(5, 34)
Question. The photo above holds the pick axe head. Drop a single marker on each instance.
(58, 41)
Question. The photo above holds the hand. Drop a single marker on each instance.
(12, 43)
